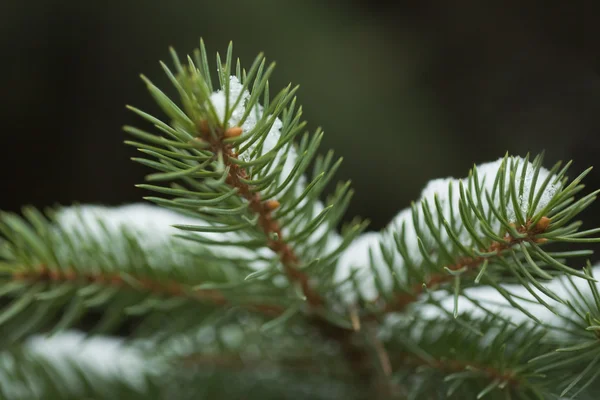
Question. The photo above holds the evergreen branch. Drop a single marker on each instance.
(471, 265)
(246, 162)
(570, 350)
(163, 288)
(575, 355)
(257, 282)
(236, 175)
(56, 271)
(494, 229)
(276, 242)
(238, 168)
(495, 360)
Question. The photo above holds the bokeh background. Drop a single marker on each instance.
(405, 91)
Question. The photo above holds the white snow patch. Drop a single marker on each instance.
(495, 302)
(356, 259)
(218, 99)
(152, 226)
(97, 356)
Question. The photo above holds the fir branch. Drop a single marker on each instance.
(57, 270)
(470, 265)
(255, 287)
(233, 163)
(242, 157)
(157, 287)
(495, 228)
(235, 177)
(576, 351)
(495, 360)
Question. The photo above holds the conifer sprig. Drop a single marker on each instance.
(234, 164)
(246, 287)
(477, 365)
(245, 176)
(57, 273)
(487, 229)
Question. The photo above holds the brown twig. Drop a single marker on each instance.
(160, 288)
(470, 263)
(214, 137)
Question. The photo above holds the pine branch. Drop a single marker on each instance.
(470, 265)
(448, 358)
(163, 288)
(54, 275)
(254, 279)
(230, 150)
(229, 137)
(473, 239)
(494, 229)
(576, 352)
(235, 177)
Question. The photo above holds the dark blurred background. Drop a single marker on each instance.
(405, 91)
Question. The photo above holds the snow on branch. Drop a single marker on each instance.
(440, 211)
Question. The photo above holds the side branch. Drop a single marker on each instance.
(472, 264)
(263, 209)
(153, 286)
